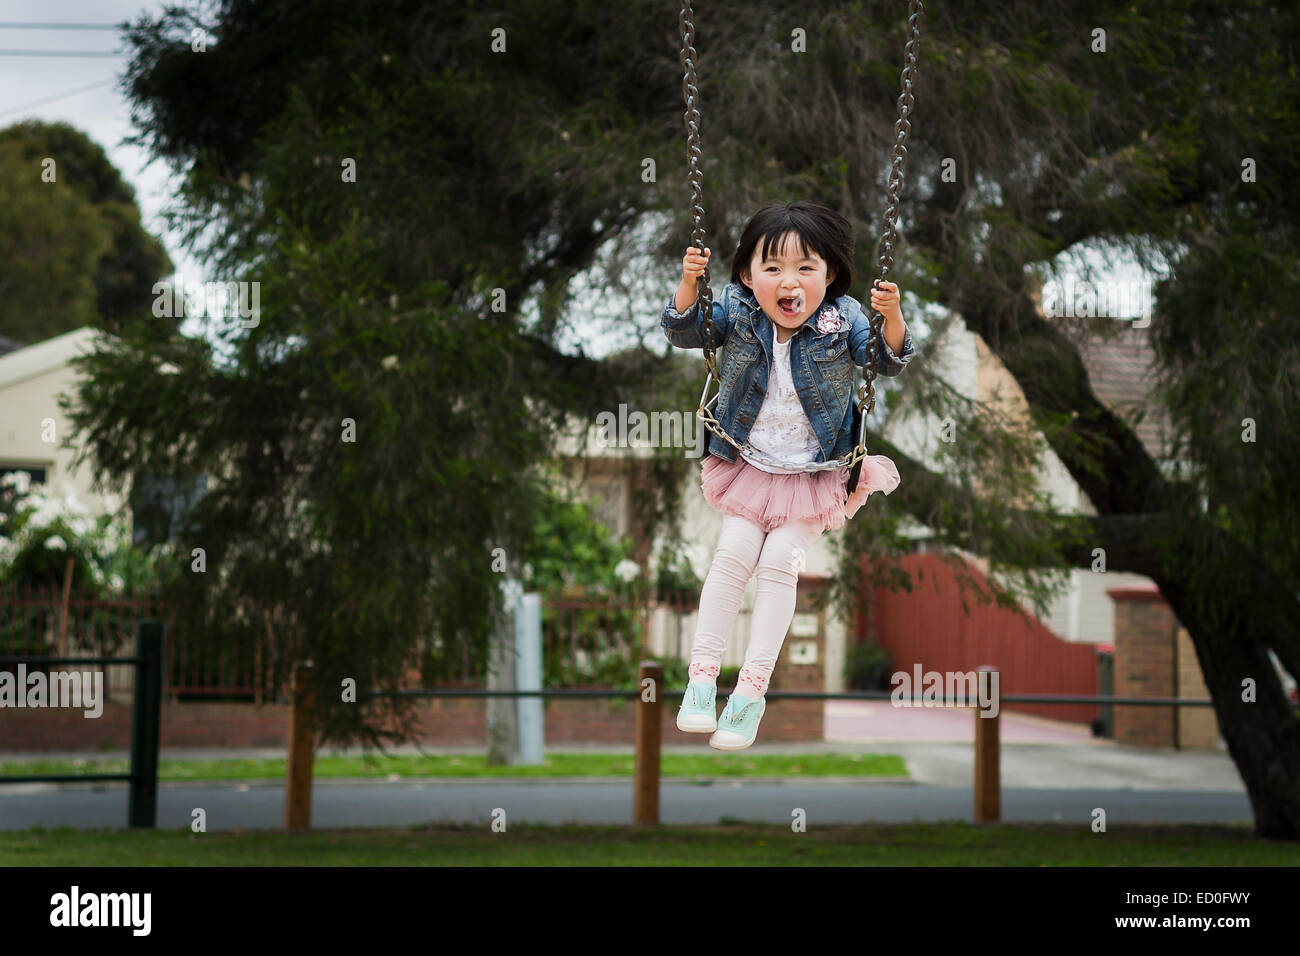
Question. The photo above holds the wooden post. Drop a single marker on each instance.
(988, 782)
(297, 789)
(649, 712)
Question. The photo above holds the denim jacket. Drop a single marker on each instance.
(821, 364)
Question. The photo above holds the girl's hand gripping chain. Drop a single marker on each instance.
(693, 266)
(885, 300)
(694, 263)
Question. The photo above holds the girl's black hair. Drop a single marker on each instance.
(816, 227)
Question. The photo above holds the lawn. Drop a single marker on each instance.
(475, 765)
(917, 844)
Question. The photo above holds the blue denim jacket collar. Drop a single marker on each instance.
(766, 328)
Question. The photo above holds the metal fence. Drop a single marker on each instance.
(51, 621)
(145, 665)
(587, 641)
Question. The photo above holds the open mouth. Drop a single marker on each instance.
(790, 305)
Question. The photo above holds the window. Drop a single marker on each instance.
(37, 474)
(160, 507)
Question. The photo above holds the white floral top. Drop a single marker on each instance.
(781, 430)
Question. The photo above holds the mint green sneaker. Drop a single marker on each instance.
(699, 711)
(738, 725)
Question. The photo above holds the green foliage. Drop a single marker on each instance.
(39, 532)
(867, 666)
(571, 551)
(675, 580)
(74, 251)
(42, 537)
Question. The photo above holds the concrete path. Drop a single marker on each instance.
(861, 721)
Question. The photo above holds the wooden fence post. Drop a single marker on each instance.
(988, 782)
(297, 791)
(649, 710)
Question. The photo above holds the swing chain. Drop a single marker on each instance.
(885, 250)
(902, 128)
(691, 94)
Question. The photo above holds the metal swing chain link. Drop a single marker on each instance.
(704, 295)
(691, 94)
(885, 250)
(902, 128)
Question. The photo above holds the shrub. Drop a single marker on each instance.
(867, 667)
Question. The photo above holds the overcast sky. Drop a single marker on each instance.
(55, 88)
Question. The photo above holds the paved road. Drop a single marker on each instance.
(1040, 782)
(1051, 771)
(374, 804)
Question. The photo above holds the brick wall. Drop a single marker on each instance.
(1197, 726)
(443, 722)
(1144, 665)
(794, 720)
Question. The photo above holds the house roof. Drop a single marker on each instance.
(1118, 358)
(1121, 365)
(29, 361)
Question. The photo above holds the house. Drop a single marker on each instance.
(1107, 609)
(1120, 371)
(33, 426)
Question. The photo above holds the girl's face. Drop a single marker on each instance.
(788, 286)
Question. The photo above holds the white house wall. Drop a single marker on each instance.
(31, 379)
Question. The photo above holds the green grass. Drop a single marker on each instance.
(475, 765)
(928, 844)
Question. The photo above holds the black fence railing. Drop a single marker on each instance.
(146, 722)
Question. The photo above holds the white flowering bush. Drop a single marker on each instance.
(41, 530)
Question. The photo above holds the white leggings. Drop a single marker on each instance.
(743, 549)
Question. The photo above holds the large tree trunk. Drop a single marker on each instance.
(1251, 611)
(1147, 526)
(1263, 735)
(1262, 732)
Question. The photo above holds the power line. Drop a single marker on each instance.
(57, 96)
(62, 53)
(15, 25)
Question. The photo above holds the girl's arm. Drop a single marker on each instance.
(685, 329)
(888, 361)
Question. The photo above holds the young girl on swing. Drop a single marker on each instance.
(790, 338)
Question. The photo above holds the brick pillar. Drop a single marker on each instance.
(1198, 727)
(801, 667)
(1145, 664)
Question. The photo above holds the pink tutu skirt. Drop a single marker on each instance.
(770, 500)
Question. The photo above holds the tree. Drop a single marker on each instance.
(485, 177)
(72, 247)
